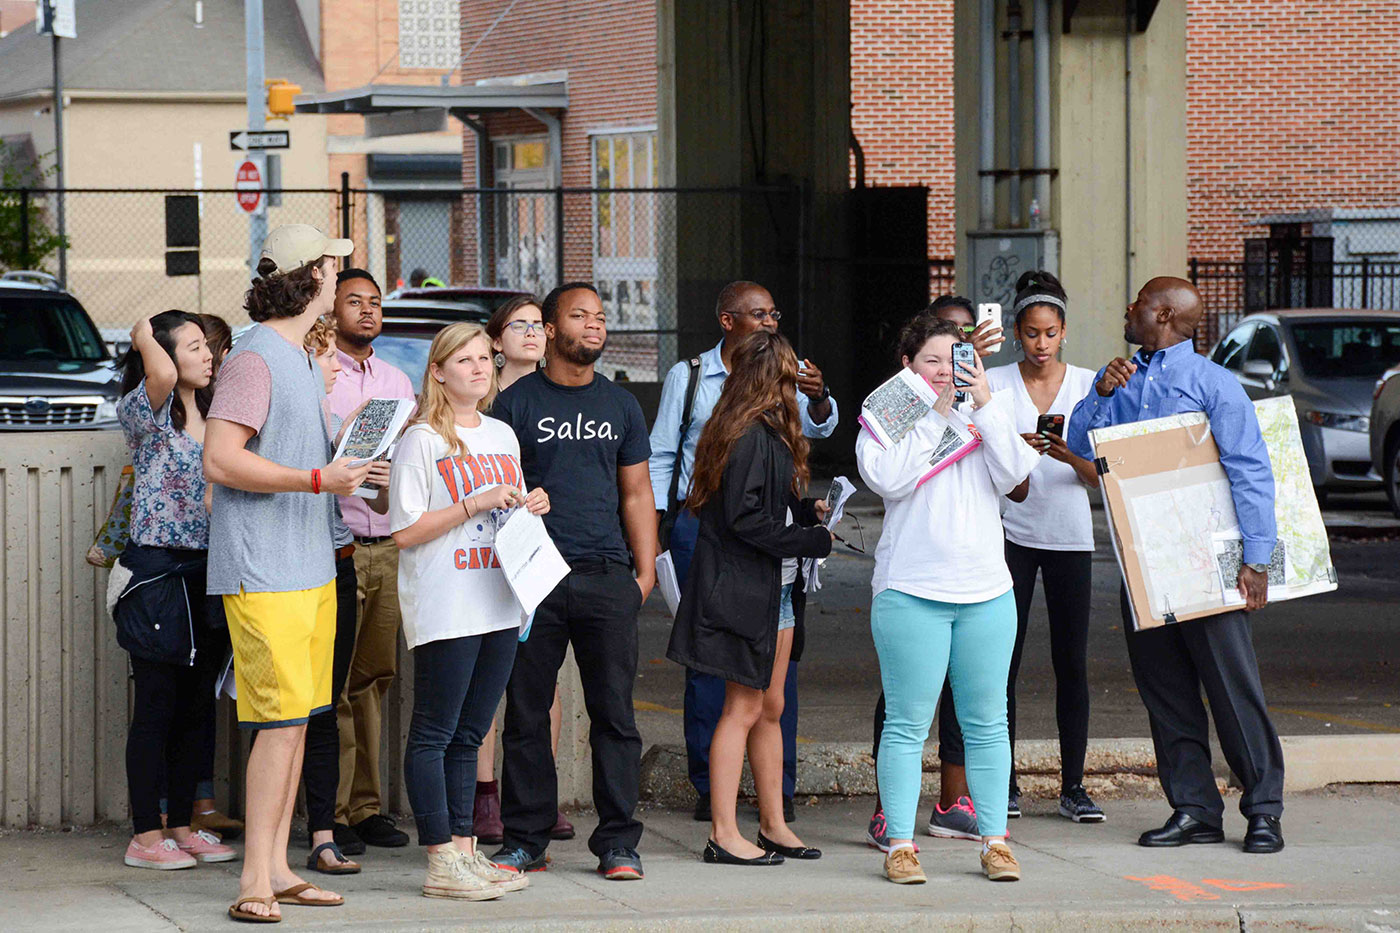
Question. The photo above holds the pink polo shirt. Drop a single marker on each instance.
(356, 382)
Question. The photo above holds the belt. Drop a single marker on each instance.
(586, 566)
(372, 539)
(345, 552)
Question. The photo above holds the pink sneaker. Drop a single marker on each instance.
(165, 855)
(206, 847)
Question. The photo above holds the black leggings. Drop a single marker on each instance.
(1067, 576)
(166, 739)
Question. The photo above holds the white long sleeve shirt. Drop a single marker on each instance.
(944, 540)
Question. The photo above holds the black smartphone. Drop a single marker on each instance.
(1051, 424)
(963, 353)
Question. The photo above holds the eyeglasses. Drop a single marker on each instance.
(860, 533)
(521, 328)
(760, 316)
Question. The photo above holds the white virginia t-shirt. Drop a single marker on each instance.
(452, 586)
(1055, 514)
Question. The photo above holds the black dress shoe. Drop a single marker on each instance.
(378, 830)
(802, 852)
(715, 855)
(348, 840)
(702, 809)
(1264, 834)
(1181, 830)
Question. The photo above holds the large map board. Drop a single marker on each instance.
(1173, 521)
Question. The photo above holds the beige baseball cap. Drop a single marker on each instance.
(293, 246)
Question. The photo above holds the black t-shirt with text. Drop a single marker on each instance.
(572, 440)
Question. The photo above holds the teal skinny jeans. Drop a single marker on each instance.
(918, 641)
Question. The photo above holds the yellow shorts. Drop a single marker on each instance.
(282, 649)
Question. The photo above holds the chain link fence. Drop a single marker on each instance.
(650, 252)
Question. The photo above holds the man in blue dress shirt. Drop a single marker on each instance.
(742, 308)
(1171, 664)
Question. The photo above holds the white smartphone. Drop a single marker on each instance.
(990, 311)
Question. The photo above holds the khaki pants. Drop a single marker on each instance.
(359, 711)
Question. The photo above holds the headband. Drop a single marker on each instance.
(1029, 300)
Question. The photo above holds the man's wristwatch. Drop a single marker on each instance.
(826, 393)
(1258, 568)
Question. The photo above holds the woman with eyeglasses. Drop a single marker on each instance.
(1051, 532)
(516, 332)
(928, 619)
(736, 616)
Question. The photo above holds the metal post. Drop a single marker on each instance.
(1040, 44)
(253, 40)
(1013, 111)
(345, 220)
(24, 228)
(987, 112)
(58, 149)
(1365, 281)
(558, 236)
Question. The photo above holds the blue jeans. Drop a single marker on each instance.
(457, 685)
(920, 641)
(704, 693)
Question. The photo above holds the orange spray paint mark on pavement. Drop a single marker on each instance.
(1178, 888)
(1229, 884)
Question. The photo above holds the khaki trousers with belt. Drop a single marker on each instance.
(359, 710)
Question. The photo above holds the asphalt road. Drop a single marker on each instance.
(1330, 663)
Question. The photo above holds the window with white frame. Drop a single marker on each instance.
(624, 226)
(430, 33)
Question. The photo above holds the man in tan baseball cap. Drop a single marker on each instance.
(292, 246)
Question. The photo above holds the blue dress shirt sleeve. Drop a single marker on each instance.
(1235, 427)
(811, 428)
(666, 432)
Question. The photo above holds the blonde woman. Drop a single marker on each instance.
(454, 468)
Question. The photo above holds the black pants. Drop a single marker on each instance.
(457, 685)
(1171, 665)
(595, 609)
(165, 740)
(950, 740)
(213, 658)
(320, 769)
(1067, 576)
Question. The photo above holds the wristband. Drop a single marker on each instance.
(316, 482)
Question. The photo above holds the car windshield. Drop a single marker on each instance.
(407, 351)
(47, 327)
(1347, 349)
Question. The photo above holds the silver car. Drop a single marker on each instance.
(1328, 360)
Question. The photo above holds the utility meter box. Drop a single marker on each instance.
(997, 259)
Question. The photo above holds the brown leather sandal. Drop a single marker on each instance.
(293, 896)
(236, 912)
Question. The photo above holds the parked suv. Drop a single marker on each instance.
(1385, 432)
(55, 369)
(1328, 361)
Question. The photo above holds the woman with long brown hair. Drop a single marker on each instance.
(735, 619)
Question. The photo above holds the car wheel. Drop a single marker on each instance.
(1391, 465)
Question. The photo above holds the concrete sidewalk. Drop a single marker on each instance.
(1338, 872)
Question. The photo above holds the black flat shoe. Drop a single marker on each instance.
(715, 855)
(1181, 830)
(798, 852)
(1264, 835)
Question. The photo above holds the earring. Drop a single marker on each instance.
(1064, 341)
(500, 360)
(441, 379)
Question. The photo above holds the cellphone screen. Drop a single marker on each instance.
(963, 353)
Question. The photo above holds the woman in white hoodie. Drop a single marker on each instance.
(942, 593)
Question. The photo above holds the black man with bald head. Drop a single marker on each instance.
(1173, 663)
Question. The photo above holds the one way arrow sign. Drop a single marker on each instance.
(259, 139)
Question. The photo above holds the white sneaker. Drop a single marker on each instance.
(449, 876)
(487, 870)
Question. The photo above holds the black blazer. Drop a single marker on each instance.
(727, 622)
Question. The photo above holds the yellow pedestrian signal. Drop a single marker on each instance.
(279, 99)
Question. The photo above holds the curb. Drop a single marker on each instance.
(1114, 768)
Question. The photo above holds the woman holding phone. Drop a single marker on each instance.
(1051, 531)
(456, 470)
(928, 621)
(736, 617)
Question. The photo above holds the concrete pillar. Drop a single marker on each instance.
(1118, 133)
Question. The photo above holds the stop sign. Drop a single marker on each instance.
(249, 182)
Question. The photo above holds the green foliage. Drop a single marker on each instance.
(24, 218)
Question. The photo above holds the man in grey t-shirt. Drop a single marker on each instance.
(270, 552)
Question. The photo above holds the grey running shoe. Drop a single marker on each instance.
(1076, 805)
(957, 822)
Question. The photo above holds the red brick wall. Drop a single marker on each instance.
(902, 102)
(1291, 104)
